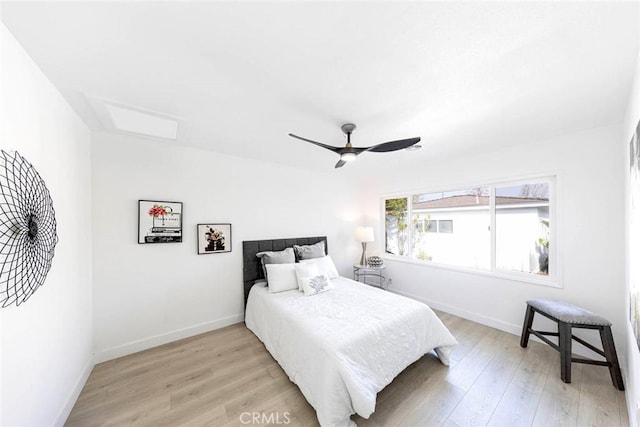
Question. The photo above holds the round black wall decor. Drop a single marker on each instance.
(27, 229)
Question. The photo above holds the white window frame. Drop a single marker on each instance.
(554, 277)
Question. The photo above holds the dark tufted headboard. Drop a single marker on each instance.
(252, 270)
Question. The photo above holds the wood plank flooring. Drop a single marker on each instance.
(222, 378)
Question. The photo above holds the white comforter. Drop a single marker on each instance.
(343, 346)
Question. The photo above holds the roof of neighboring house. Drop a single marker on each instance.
(471, 200)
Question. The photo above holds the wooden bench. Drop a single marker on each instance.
(569, 316)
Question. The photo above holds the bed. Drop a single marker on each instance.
(343, 346)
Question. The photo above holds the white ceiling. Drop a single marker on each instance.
(466, 77)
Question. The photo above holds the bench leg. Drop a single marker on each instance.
(612, 357)
(564, 342)
(526, 326)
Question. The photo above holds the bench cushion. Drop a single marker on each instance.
(568, 313)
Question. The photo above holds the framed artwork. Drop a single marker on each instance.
(634, 239)
(214, 238)
(159, 222)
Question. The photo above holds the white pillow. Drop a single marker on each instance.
(282, 277)
(315, 285)
(305, 271)
(275, 257)
(325, 266)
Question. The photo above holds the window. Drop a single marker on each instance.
(439, 226)
(503, 228)
(396, 224)
(445, 226)
(522, 227)
(469, 245)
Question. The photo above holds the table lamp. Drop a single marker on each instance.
(364, 235)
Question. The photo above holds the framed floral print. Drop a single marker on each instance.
(214, 238)
(159, 222)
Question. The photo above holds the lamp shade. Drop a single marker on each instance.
(364, 234)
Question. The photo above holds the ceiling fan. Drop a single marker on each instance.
(349, 153)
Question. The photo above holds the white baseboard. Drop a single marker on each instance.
(154, 341)
(75, 393)
(478, 318)
(486, 320)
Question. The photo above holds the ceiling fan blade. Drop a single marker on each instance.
(394, 145)
(349, 152)
(320, 144)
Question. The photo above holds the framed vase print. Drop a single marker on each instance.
(159, 222)
(214, 238)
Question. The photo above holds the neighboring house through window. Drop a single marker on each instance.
(506, 227)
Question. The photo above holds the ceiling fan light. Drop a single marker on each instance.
(348, 157)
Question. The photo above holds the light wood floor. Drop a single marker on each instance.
(213, 378)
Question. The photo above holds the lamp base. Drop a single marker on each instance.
(363, 259)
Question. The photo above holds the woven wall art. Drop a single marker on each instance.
(27, 229)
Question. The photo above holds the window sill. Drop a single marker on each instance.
(516, 277)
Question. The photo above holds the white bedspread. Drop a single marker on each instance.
(343, 346)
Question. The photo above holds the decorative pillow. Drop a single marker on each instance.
(276, 257)
(309, 251)
(325, 266)
(315, 285)
(305, 271)
(282, 277)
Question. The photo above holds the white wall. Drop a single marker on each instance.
(148, 294)
(589, 165)
(632, 355)
(47, 341)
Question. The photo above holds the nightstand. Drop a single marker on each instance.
(374, 276)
